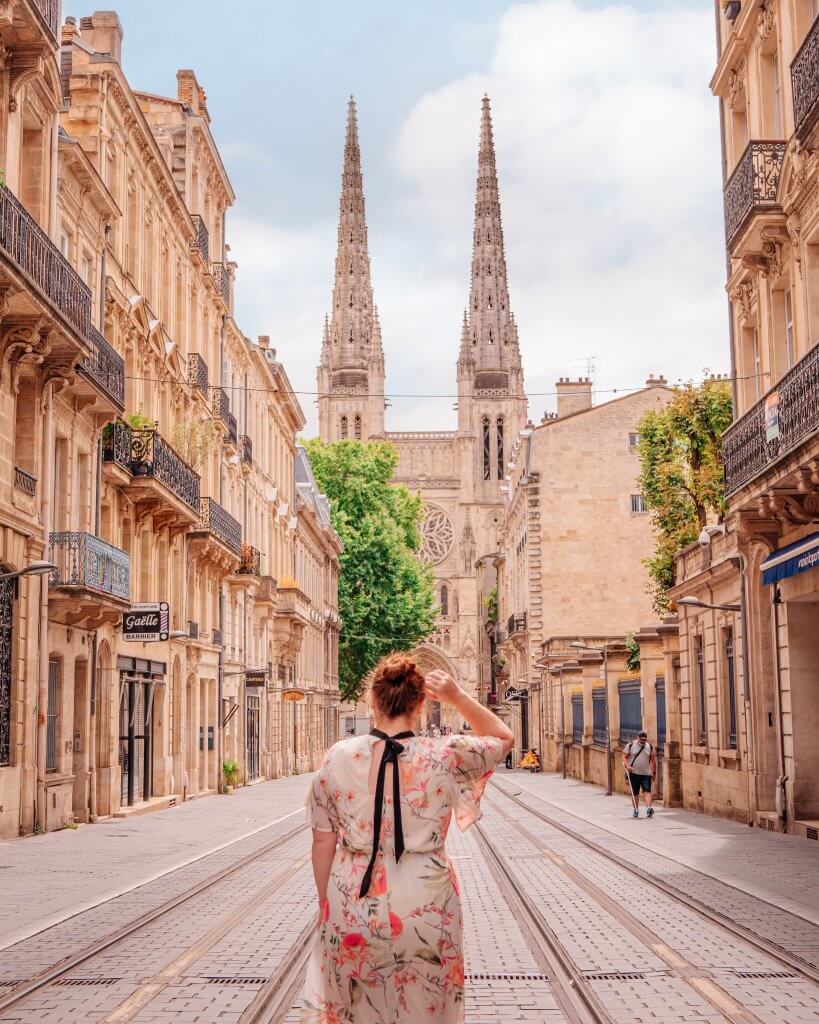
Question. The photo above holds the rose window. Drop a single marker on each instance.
(436, 535)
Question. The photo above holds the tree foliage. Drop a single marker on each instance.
(681, 472)
(386, 594)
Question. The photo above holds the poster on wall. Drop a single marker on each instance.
(146, 622)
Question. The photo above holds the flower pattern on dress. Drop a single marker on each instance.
(395, 956)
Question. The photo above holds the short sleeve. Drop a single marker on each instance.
(470, 761)
(322, 814)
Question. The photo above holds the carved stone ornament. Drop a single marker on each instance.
(436, 535)
(736, 85)
(744, 295)
(767, 18)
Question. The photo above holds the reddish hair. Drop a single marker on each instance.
(397, 687)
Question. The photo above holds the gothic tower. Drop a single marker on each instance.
(491, 398)
(351, 371)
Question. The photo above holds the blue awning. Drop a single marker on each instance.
(788, 561)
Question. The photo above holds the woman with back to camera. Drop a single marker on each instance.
(389, 947)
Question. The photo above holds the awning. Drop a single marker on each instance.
(790, 560)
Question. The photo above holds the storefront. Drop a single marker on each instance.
(139, 681)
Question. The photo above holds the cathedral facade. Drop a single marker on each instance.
(458, 472)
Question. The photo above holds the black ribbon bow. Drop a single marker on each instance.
(392, 748)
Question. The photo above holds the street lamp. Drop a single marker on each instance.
(695, 602)
(604, 650)
(33, 569)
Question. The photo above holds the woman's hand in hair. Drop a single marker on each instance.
(442, 687)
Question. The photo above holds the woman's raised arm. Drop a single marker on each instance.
(442, 687)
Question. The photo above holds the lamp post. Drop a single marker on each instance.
(604, 650)
(695, 602)
(32, 569)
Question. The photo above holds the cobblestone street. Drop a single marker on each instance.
(573, 911)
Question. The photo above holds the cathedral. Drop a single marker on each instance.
(458, 472)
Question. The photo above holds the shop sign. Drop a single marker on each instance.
(255, 677)
(293, 695)
(772, 417)
(512, 694)
(146, 622)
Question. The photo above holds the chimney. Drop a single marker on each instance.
(573, 395)
(656, 382)
(264, 341)
(191, 93)
(103, 31)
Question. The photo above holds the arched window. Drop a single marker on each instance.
(444, 601)
(487, 448)
(499, 426)
(358, 428)
(343, 428)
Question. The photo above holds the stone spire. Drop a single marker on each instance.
(352, 357)
(493, 338)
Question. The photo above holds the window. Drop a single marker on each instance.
(499, 426)
(53, 719)
(599, 716)
(343, 428)
(757, 372)
(699, 673)
(65, 244)
(577, 718)
(444, 601)
(730, 682)
(633, 439)
(777, 96)
(85, 268)
(358, 428)
(487, 470)
(631, 710)
(638, 503)
(789, 326)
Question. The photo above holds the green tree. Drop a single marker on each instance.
(681, 472)
(386, 595)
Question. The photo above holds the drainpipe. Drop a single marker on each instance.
(782, 780)
(220, 738)
(42, 692)
(750, 758)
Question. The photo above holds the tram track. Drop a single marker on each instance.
(708, 984)
(58, 972)
(772, 949)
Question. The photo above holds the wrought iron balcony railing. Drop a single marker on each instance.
(217, 637)
(201, 241)
(193, 630)
(220, 280)
(516, 624)
(198, 372)
(251, 564)
(221, 407)
(84, 560)
(116, 444)
(49, 10)
(753, 185)
(105, 366)
(750, 445)
(152, 456)
(233, 428)
(219, 522)
(25, 482)
(25, 242)
(805, 83)
(245, 448)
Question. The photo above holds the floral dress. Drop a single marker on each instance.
(394, 956)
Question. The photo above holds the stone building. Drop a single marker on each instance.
(748, 665)
(574, 534)
(125, 384)
(459, 472)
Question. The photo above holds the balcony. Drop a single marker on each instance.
(25, 482)
(753, 186)
(92, 583)
(43, 265)
(198, 373)
(516, 624)
(200, 243)
(116, 445)
(49, 11)
(221, 282)
(245, 449)
(104, 367)
(219, 523)
(267, 591)
(221, 408)
(805, 84)
(251, 564)
(750, 447)
(152, 456)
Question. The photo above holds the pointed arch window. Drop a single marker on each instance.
(487, 451)
(358, 428)
(343, 428)
(491, 337)
(489, 301)
(444, 603)
(499, 429)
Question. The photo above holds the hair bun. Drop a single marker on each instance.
(397, 685)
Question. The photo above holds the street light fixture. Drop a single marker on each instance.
(32, 569)
(604, 650)
(695, 602)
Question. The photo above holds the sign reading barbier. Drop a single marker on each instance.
(146, 622)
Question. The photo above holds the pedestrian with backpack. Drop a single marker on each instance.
(640, 763)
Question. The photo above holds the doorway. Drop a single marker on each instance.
(252, 721)
(135, 734)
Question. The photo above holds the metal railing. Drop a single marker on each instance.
(193, 630)
(219, 522)
(201, 241)
(805, 83)
(50, 12)
(105, 366)
(516, 624)
(221, 281)
(577, 718)
(25, 242)
(251, 564)
(233, 428)
(116, 444)
(753, 185)
(198, 372)
(599, 718)
(25, 482)
(245, 449)
(84, 560)
(750, 446)
(152, 456)
(217, 637)
(221, 404)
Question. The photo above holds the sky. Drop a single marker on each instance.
(607, 142)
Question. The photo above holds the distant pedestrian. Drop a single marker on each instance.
(640, 762)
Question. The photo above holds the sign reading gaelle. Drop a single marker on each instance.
(146, 622)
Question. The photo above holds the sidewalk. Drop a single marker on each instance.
(781, 869)
(51, 877)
